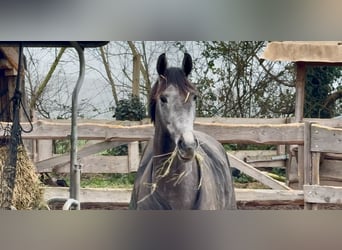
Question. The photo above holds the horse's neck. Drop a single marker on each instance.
(162, 143)
(177, 182)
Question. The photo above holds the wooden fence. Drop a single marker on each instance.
(281, 132)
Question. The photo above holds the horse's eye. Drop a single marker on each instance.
(195, 97)
(163, 99)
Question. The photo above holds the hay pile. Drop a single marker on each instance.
(27, 192)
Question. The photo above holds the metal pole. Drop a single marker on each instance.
(75, 168)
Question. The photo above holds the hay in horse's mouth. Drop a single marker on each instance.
(166, 166)
(165, 169)
(177, 179)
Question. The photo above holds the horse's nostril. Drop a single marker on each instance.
(181, 144)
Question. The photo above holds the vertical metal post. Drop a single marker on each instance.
(75, 168)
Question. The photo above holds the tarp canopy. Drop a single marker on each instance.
(305, 51)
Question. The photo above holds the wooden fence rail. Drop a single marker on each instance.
(317, 139)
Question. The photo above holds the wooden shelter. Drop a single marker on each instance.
(8, 74)
(304, 54)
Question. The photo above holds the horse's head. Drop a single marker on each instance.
(173, 106)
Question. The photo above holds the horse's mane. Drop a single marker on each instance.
(172, 76)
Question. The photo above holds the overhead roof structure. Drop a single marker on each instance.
(304, 51)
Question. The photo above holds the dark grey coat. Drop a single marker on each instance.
(211, 188)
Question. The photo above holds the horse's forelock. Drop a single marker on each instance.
(174, 76)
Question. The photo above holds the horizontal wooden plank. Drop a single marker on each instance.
(123, 195)
(89, 131)
(254, 133)
(322, 194)
(260, 158)
(225, 133)
(252, 154)
(97, 195)
(326, 139)
(335, 123)
(95, 164)
(229, 120)
(331, 170)
(269, 195)
(52, 164)
(119, 164)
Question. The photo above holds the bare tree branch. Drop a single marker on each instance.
(42, 86)
(109, 74)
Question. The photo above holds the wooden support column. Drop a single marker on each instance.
(307, 159)
(299, 114)
(133, 156)
(315, 173)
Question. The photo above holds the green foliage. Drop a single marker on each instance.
(131, 109)
(235, 82)
(319, 85)
(108, 180)
(64, 146)
(121, 150)
(278, 171)
(243, 178)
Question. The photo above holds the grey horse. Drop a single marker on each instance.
(180, 168)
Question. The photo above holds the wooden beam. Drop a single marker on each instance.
(5, 64)
(225, 133)
(307, 170)
(52, 164)
(256, 174)
(228, 120)
(307, 154)
(329, 170)
(90, 194)
(12, 55)
(119, 195)
(326, 139)
(299, 114)
(254, 133)
(95, 164)
(315, 180)
(300, 90)
(133, 156)
(268, 194)
(322, 194)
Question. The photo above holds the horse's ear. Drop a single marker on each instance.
(161, 64)
(187, 64)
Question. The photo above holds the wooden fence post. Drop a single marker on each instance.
(133, 156)
(307, 159)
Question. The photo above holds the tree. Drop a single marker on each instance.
(235, 82)
(320, 93)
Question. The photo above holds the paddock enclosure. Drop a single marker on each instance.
(310, 150)
(321, 154)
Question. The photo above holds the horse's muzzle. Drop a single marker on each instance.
(187, 145)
